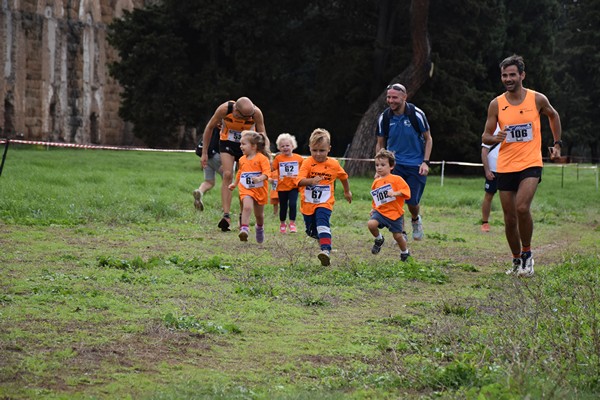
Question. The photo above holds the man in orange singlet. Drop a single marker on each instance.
(235, 117)
(519, 166)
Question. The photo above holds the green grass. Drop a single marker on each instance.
(113, 286)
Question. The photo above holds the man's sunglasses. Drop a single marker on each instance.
(397, 86)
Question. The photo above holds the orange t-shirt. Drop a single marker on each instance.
(233, 127)
(287, 169)
(258, 165)
(391, 207)
(321, 195)
(274, 196)
(522, 147)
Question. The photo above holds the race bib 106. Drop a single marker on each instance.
(519, 133)
(382, 195)
(288, 169)
(246, 180)
(317, 194)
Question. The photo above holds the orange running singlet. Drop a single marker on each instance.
(522, 147)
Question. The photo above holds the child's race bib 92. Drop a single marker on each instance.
(288, 169)
(317, 194)
(246, 180)
(382, 195)
(519, 133)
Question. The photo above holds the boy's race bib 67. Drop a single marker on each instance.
(519, 133)
(382, 195)
(317, 194)
(234, 136)
(246, 180)
(288, 168)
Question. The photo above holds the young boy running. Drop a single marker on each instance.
(315, 180)
(388, 192)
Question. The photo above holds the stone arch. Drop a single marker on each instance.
(89, 8)
(51, 8)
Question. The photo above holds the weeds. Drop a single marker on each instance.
(114, 286)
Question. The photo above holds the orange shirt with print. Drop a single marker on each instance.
(321, 195)
(391, 207)
(522, 147)
(273, 195)
(288, 168)
(258, 165)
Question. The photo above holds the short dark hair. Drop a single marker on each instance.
(513, 60)
(384, 154)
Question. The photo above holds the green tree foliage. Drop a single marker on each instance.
(303, 64)
(578, 76)
(321, 63)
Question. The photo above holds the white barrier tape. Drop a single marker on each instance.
(99, 147)
(91, 146)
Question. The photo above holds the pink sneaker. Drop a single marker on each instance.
(282, 227)
(292, 227)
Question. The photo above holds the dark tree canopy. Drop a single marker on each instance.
(320, 63)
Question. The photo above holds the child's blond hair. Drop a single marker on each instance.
(258, 139)
(386, 154)
(319, 135)
(289, 138)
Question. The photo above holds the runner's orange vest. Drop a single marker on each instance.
(522, 147)
(233, 127)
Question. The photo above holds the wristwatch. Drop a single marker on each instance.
(558, 142)
(427, 162)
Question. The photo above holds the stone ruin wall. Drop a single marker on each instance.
(55, 83)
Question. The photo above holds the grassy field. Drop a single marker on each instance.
(113, 286)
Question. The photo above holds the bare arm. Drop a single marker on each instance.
(553, 118)
(213, 122)
(491, 122)
(259, 122)
(310, 181)
(424, 168)
(347, 192)
(380, 144)
(486, 164)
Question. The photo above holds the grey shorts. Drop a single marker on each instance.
(396, 226)
(214, 166)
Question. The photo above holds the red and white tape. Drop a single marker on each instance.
(90, 146)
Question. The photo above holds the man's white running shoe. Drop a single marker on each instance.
(516, 267)
(417, 228)
(526, 270)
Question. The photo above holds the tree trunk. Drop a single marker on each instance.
(413, 77)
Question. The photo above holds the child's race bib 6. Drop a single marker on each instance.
(519, 133)
(382, 195)
(234, 136)
(246, 180)
(317, 194)
(274, 184)
(288, 169)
